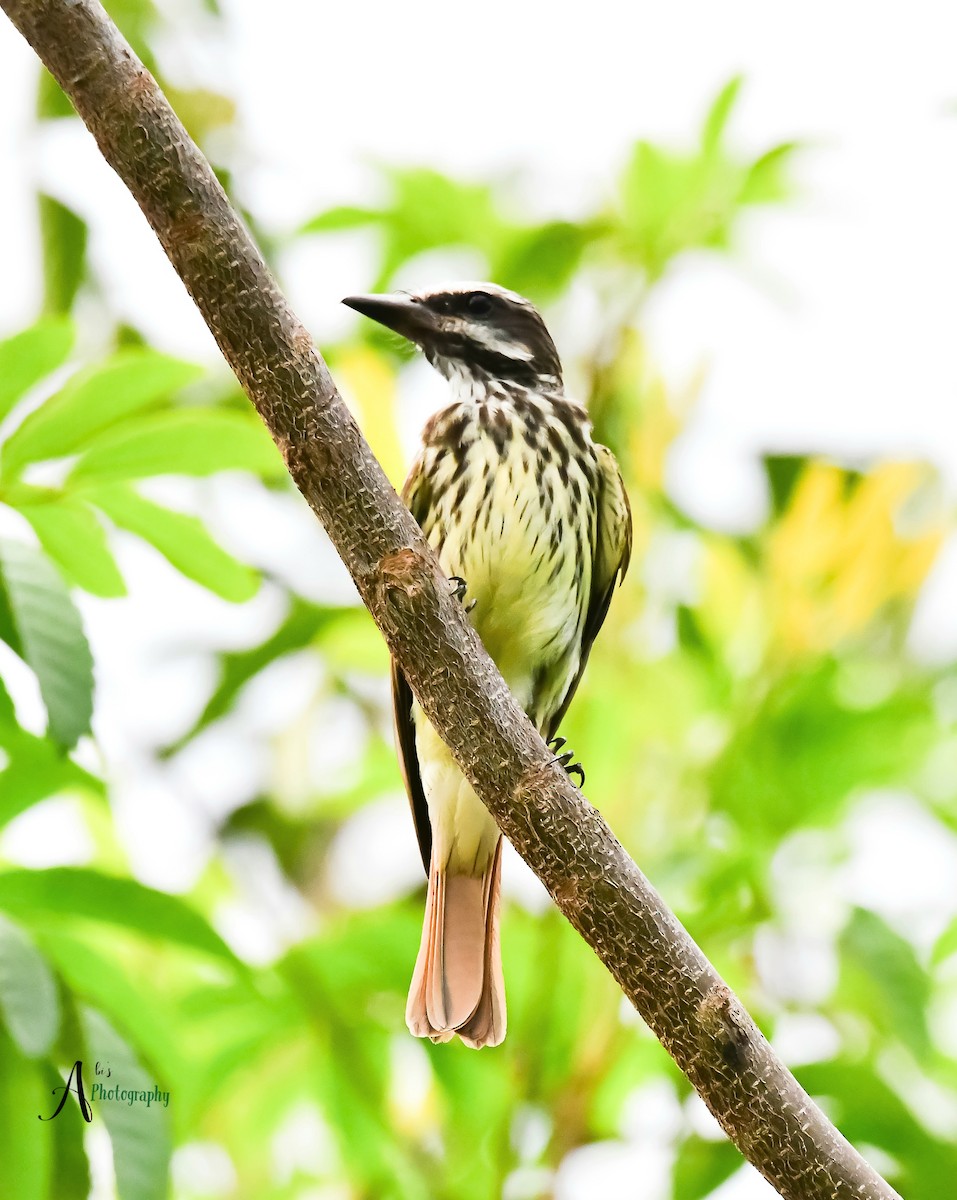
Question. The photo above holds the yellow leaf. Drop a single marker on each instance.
(837, 556)
(916, 561)
(807, 541)
(653, 436)
(368, 386)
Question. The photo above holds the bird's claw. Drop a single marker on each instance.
(459, 588)
(565, 760)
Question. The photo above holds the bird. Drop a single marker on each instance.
(529, 518)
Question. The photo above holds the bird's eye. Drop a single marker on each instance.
(479, 305)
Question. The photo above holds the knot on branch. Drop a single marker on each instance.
(402, 576)
(307, 457)
(534, 776)
(726, 1025)
(188, 230)
(533, 788)
(567, 893)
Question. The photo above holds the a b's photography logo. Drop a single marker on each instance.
(102, 1089)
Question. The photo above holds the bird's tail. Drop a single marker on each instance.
(457, 985)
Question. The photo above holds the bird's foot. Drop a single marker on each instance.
(459, 588)
(571, 768)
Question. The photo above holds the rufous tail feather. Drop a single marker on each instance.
(457, 984)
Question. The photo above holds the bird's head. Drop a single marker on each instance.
(478, 330)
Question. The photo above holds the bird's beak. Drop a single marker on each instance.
(405, 314)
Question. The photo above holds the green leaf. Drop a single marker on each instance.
(470, 1083)
(702, 1166)
(202, 111)
(717, 119)
(29, 356)
(28, 995)
(181, 539)
(140, 1134)
(868, 1112)
(92, 401)
(882, 979)
(69, 1167)
(52, 101)
(345, 216)
(353, 1091)
(767, 181)
(303, 624)
(428, 210)
(78, 892)
(24, 1139)
(660, 206)
(358, 957)
(674, 202)
(360, 953)
(40, 622)
(629, 1062)
(783, 472)
(945, 946)
(232, 1031)
(541, 261)
(125, 998)
(64, 236)
(800, 753)
(35, 770)
(351, 644)
(70, 533)
(183, 442)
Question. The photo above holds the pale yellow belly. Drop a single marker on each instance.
(527, 590)
(464, 834)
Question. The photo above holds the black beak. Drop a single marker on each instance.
(406, 315)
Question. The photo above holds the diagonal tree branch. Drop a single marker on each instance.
(593, 881)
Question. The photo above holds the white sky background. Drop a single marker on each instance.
(834, 329)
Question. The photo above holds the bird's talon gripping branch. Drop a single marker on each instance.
(459, 588)
(565, 760)
(571, 768)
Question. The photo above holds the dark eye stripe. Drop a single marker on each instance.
(515, 321)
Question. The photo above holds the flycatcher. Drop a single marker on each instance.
(530, 515)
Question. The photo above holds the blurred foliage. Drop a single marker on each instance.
(746, 696)
(63, 231)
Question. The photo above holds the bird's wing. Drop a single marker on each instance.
(416, 494)
(611, 555)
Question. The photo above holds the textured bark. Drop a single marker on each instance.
(565, 841)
